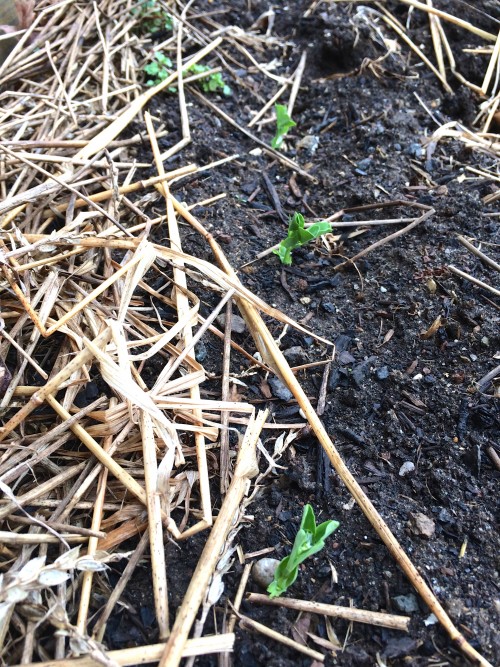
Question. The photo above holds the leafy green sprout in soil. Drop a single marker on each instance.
(161, 67)
(283, 124)
(151, 18)
(298, 236)
(309, 540)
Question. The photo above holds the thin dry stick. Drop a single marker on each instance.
(250, 624)
(386, 239)
(273, 357)
(224, 420)
(156, 548)
(471, 279)
(348, 613)
(279, 156)
(86, 587)
(239, 596)
(436, 40)
(141, 655)
(297, 79)
(39, 490)
(491, 66)
(182, 304)
(484, 258)
(246, 468)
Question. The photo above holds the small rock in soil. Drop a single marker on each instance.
(237, 323)
(279, 389)
(360, 371)
(200, 352)
(406, 603)
(263, 571)
(294, 354)
(382, 373)
(407, 468)
(398, 648)
(358, 655)
(421, 525)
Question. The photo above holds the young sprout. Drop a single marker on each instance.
(161, 67)
(309, 540)
(283, 124)
(298, 235)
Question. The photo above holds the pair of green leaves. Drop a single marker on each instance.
(298, 235)
(309, 540)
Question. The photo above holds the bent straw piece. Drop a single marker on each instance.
(274, 357)
(348, 613)
(488, 36)
(155, 527)
(53, 385)
(22, 539)
(101, 455)
(183, 309)
(246, 468)
(141, 655)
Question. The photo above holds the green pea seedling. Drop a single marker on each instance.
(283, 124)
(152, 18)
(161, 67)
(298, 235)
(309, 540)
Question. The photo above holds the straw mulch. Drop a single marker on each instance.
(92, 452)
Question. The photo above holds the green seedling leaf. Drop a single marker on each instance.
(283, 124)
(298, 236)
(309, 540)
(161, 67)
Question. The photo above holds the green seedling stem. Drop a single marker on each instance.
(298, 235)
(283, 124)
(309, 540)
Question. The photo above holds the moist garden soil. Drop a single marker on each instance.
(402, 408)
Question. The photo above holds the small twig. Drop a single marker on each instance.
(471, 279)
(484, 258)
(348, 613)
(386, 239)
(250, 624)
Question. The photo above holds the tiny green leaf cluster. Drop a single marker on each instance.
(283, 124)
(158, 69)
(211, 83)
(309, 540)
(298, 235)
(161, 67)
(152, 18)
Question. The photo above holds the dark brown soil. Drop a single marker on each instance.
(393, 399)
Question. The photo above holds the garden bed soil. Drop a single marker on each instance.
(402, 407)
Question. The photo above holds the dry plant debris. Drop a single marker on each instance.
(93, 451)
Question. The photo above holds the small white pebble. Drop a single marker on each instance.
(406, 468)
(263, 571)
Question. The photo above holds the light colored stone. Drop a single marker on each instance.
(263, 571)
